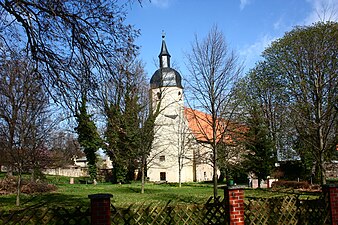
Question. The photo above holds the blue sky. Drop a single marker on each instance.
(249, 26)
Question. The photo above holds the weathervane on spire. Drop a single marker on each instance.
(163, 34)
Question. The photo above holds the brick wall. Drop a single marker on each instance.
(100, 209)
(235, 199)
(332, 191)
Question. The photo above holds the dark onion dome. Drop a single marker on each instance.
(166, 77)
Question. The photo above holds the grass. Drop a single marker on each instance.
(268, 193)
(70, 195)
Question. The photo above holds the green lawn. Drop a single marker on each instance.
(70, 195)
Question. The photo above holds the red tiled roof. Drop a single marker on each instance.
(200, 125)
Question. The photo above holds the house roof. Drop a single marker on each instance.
(166, 77)
(200, 124)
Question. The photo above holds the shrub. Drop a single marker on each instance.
(37, 187)
(290, 184)
(8, 185)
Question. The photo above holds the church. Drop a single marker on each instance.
(179, 153)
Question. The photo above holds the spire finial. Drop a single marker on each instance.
(163, 35)
(164, 54)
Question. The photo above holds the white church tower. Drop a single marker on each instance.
(166, 89)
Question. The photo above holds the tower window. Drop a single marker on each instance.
(163, 176)
(159, 95)
(162, 158)
(179, 93)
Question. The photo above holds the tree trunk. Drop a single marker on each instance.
(259, 181)
(215, 181)
(322, 171)
(317, 173)
(9, 171)
(215, 178)
(142, 175)
(18, 189)
(179, 176)
(222, 176)
(319, 122)
(321, 165)
(33, 176)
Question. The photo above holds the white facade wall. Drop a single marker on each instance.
(164, 155)
(67, 172)
(172, 136)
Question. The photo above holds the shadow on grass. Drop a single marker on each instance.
(50, 200)
(60, 200)
(269, 193)
(177, 198)
(148, 190)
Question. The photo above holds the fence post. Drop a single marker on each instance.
(234, 197)
(332, 191)
(100, 209)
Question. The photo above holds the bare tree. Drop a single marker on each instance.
(185, 139)
(24, 116)
(58, 35)
(214, 69)
(73, 44)
(63, 147)
(148, 131)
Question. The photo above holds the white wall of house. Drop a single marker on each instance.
(68, 172)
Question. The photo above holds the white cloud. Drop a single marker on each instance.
(161, 3)
(278, 24)
(252, 53)
(322, 10)
(244, 3)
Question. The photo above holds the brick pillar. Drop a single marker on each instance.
(332, 191)
(100, 209)
(234, 197)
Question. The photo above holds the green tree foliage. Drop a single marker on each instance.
(261, 108)
(307, 60)
(263, 89)
(88, 137)
(261, 156)
(124, 113)
(123, 138)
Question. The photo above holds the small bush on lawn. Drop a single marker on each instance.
(37, 187)
(290, 184)
(8, 185)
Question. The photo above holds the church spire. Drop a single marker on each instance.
(165, 76)
(164, 54)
